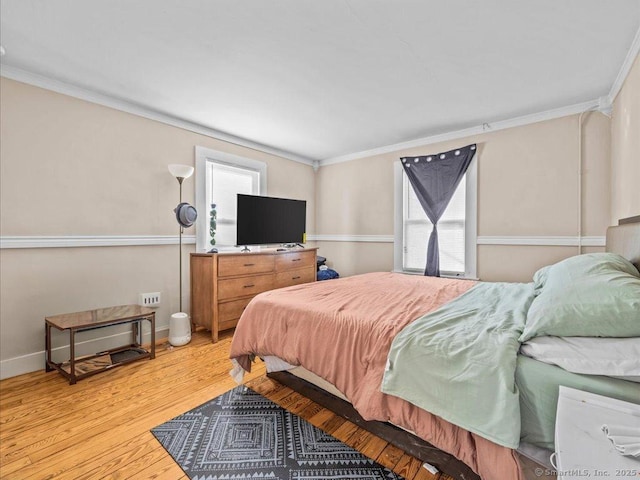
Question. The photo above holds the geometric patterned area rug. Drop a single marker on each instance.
(243, 435)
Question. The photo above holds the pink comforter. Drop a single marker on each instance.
(342, 330)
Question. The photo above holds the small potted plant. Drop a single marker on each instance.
(213, 215)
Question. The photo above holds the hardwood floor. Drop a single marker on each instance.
(99, 428)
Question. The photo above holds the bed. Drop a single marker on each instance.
(338, 342)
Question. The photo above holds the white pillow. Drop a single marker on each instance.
(614, 357)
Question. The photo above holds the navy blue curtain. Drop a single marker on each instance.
(435, 178)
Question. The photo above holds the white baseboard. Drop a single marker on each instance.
(32, 362)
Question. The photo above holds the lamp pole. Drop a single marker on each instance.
(180, 172)
(180, 179)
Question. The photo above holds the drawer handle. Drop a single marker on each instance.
(249, 264)
(296, 260)
(296, 278)
(249, 286)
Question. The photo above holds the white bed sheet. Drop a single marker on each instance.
(613, 357)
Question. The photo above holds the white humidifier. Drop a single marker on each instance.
(179, 329)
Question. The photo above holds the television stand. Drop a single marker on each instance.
(245, 249)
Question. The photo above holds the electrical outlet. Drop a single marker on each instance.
(149, 299)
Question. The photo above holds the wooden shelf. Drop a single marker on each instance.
(92, 364)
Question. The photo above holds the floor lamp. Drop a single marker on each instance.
(179, 326)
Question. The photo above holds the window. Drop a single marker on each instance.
(456, 228)
(220, 177)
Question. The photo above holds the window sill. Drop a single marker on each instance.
(444, 275)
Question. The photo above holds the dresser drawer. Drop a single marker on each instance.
(292, 260)
(229, 312)
(244, 286)
(232, 310)
(295, 277)
(228, 324)
(233, 265)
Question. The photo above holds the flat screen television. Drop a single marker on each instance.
(268, 220)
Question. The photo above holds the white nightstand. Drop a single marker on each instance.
(582, 449)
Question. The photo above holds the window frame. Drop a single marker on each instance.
(203, 157)
(471, 221)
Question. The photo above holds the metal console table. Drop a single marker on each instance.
(78, 368)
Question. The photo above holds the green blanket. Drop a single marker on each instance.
(459, 362)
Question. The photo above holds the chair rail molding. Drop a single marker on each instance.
(549, 241)
(65, 241)
(350, 238)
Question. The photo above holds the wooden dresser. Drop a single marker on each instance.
(222, 284)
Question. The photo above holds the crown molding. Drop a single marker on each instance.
(602, 103)
(468, 132)
(66, 241)
(116, 103)
(633, 52)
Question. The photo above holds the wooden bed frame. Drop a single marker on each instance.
(404, 440)
(623, 239)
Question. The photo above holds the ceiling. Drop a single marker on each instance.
(320, 80)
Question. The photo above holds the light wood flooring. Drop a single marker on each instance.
(99, 428)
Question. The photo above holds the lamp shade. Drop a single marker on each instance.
(180, 171)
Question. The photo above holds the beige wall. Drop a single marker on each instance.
(70, 167)
(517, 263)
(625, 148)
(527, 186)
